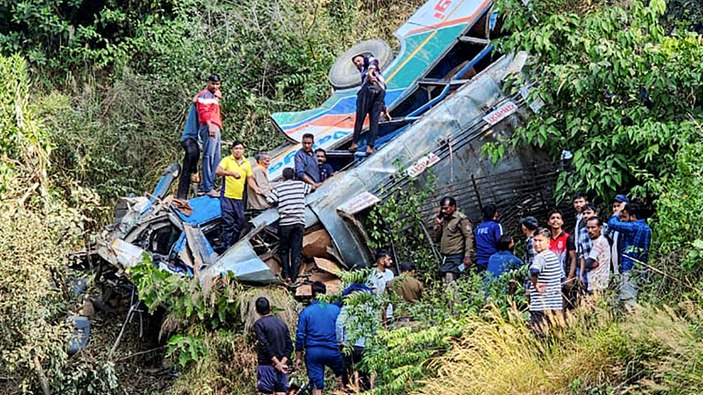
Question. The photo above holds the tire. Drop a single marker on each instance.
(344, 74)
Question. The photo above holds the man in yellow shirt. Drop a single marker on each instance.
(236, 170)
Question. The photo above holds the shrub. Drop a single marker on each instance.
(616, 90)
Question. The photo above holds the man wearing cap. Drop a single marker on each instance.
(614, 236)
(370, 99)
(455, 238)
(207, 103)
(529, 225)
(236, 171)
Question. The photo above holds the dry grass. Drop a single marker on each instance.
(229, 369)
(651, 351)
(283, 305)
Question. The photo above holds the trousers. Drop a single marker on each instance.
(290, 243)
(232, 219)
(190, 166)
(369, 100)
(212, 147)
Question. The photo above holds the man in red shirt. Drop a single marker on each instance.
(557, 243)
(208, 104)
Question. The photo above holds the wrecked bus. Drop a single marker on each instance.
(445, 95)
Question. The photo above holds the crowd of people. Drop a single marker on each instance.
(564, 267)
(246, 190)
(323, 332)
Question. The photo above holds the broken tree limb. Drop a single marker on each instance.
(42, 376)
(139, 353)
(429, 241)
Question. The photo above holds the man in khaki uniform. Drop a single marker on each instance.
(455, 237)
(406, 286)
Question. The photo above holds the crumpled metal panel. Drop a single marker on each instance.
(345, 238)
(243, 263)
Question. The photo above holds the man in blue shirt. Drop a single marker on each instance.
(317, 338)
(486, 235)
(635, 237)
(503, 260)
(306, 168)
(326, 170)
(189, 142)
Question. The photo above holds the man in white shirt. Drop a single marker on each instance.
(598, 260)
(379, 278)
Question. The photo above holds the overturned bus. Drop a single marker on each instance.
(446, 99)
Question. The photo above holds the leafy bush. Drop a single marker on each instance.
(616, 91)
(36, 230)
(397, 224)
(64, 35)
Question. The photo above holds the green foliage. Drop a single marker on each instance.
(649, 352)
(617, 91)
(678, 238)
(24, 146)
(188, 348)
(397, 223)
(228, 366)
(683, 14)
(400, 357)
(185, 299)
(62, 35)
(82, 128)
(36, 230)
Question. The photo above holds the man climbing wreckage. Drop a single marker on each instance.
(444, 89)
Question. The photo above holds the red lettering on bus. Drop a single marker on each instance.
(440, 7)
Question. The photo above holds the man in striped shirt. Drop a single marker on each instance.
(290, 198)
(545, 286)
